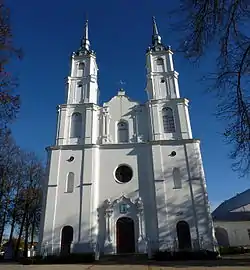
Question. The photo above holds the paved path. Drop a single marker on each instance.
(235, 262)
(118, 267)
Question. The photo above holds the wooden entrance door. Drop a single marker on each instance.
(125, 235)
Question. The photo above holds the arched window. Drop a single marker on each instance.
(177, 178)
(160, 64)
(81, 68)
(70, 183)
(76, 125)
(168, 120)
(122, 132)
(222, 237)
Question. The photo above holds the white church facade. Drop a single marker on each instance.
(125, 177)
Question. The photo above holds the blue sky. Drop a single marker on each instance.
(120, 32)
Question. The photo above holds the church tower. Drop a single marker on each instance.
(78, 118)
(168, 112)
(82, 82)
(126, 176)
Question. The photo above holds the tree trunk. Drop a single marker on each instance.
(26, 239)
(3, 226)
(32, 232)
(20, 233)
(12, 227)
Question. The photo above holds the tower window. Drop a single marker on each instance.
(70, 183)
(162, 80)
(177, 178)
(76, 125)
(159, 62)
(80, 71)
(122, 132)
(79, 85)
(168, 120)
(81, 66)
(160, 65)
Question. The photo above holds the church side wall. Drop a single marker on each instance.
(180, 204)
(173, 204)
(203, 215)
(67, 204)
(50, 206)
(234, 233)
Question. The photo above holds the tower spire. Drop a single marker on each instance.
(156, 38)
(85, 43)
(85, 40)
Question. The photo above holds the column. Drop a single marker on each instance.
(105, 127)
(108, 245)
(142, 247)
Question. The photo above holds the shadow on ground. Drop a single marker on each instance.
(239, 260)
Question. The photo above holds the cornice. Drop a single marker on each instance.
(123, 145)
(88, 105)
(159, 101)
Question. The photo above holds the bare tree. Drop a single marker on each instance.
(223, 26)
(29, 199)
(9, 101)
(8, 153)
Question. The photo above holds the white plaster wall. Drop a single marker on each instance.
(181, 117)
(188, 203)
(155, 89)
(141, 185)
(237, 231)
(88, 93)
(73, 209)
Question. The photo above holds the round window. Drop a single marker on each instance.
(123, 174)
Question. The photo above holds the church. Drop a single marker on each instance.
(125, 177)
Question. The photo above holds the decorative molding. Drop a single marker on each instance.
(159, 101)
(123, 145)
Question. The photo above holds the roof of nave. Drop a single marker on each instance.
(236, 208)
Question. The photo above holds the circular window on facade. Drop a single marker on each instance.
(123, 174)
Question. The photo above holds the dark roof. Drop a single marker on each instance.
(225, 211)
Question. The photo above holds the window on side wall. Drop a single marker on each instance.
(70, 183)
(168, 120)
(122, 132)
(177, 178)
(76, 125)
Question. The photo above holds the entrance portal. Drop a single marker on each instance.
(66, 240)
(183, 234)
(125, 235)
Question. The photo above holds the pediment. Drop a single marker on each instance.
(117, 98)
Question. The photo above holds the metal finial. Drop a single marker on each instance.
(156, 39)
(155, 29)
